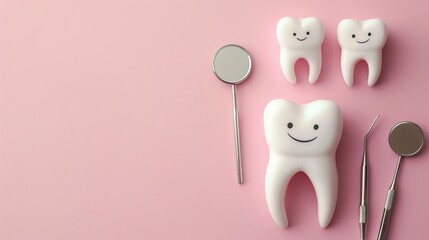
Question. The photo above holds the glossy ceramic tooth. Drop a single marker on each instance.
(302, 138)
(300, 38)
(361, 40)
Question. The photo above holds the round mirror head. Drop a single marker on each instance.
(232, 64)
(406, 139)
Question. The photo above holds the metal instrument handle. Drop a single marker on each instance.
(382, 232)
(237, 136)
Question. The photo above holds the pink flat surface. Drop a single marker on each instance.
(113, 126)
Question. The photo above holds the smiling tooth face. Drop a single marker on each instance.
(302, 138)
(361, 35)
(296, 34)
(300, 38)
(361, 40)
(309, 129)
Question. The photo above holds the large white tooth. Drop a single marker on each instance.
(300, 38)
(361, 40)
(302, 138)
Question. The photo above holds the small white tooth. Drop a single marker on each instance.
(300, 38)
(302, 138)
(361, 40)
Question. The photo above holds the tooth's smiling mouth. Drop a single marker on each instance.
(301, 39)
(364, 41)
(302, 141)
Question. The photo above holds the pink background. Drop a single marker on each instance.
(113, 126)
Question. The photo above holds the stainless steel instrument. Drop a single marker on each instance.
(363, 207)
(232, 64)
(406, 139)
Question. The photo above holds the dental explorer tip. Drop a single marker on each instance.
(373, 123)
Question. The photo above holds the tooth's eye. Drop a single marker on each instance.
(316, 126)
(308, 33)
(290, 125)
(353, 36)
(369, 34)
(294, 34)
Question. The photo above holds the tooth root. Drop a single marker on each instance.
(287, 64)
(315, 66)
(348, 64)
(276, 180)
(374, 68)
(325, 181)
(323, 176)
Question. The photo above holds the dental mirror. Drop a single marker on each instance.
(406, 139)
(232, 64)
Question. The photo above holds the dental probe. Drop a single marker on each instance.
(363, 216)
